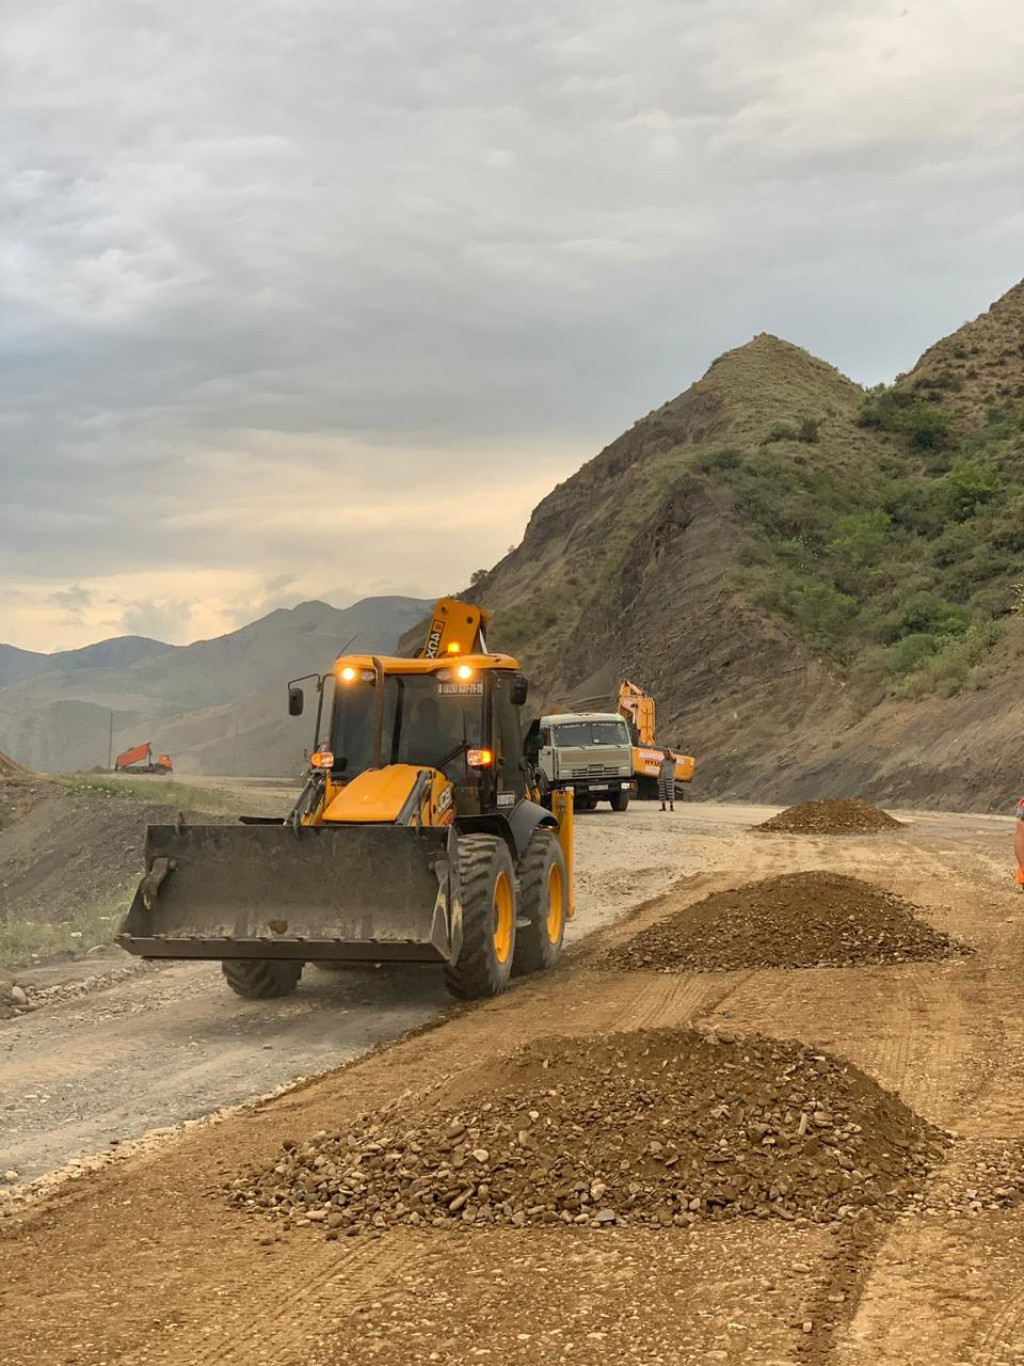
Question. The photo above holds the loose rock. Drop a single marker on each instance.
(834, 816)
(798, 920)
(657, 1127)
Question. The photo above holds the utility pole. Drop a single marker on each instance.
(110, 744)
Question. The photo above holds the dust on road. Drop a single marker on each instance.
(148, 1261)
(164, 1044)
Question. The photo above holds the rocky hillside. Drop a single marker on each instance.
(822, 586)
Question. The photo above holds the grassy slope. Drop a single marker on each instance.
(71, 853)
(777, 551)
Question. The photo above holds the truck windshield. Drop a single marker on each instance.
(425, 722)
(591, 733)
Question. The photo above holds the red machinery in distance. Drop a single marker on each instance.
(139, 759)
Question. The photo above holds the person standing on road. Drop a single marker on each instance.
(1018, 843)
(667, 780)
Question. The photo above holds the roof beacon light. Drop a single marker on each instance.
(455, 648)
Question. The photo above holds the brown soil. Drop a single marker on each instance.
(798, 920)
(652, 1127)
(64, 850)
(8, 768)
(147, 1262)
(835, 816)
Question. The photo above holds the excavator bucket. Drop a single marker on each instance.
(378, 893)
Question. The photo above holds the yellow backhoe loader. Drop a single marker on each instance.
(417, 837)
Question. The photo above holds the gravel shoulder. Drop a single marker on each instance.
(147, 1261)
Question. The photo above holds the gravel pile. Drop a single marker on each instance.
(835, 816)
(655, 1127)
(797, 920)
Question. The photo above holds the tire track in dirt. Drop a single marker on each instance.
(1002, 1343)
(308, 1298)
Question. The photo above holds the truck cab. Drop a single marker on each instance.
(590, 753)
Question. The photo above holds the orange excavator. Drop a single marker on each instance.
(140, 759)
(640, 711)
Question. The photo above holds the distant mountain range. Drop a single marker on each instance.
(217, 706)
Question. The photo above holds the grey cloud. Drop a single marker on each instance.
(454, 228)
(72, 603)
(167, 619)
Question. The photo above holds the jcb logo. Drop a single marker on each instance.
(434, 639)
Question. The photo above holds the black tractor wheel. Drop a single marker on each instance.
(620, 801)
(543, 903)
(487, 884)
(260, 979)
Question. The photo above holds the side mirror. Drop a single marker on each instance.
(520, 689)
(296, 701)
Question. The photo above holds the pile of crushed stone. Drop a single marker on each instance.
(835, 816)
(654, 1127)
(797, 920)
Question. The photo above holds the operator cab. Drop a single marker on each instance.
(461, 718)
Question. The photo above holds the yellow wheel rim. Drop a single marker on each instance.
(556, 903)
(504, 917)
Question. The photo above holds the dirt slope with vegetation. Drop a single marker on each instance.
(71, 851)
(822, 585)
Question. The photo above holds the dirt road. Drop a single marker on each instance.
(147, 1260)
(167, 1044)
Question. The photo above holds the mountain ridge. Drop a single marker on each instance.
(795, 565)
(59, 718)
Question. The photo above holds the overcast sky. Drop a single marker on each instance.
(318, 297)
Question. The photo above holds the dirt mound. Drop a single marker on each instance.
(834, 816)
(9, 769)
(797, 920)
(662, 1127)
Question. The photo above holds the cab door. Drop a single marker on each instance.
(509, 756)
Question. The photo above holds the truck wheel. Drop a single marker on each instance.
(259, 979)
(620, 801)
(543, 900)
(487, 884)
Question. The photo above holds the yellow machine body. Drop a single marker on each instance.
(382, 797)
(382, 856)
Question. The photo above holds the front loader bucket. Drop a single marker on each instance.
(376, 893)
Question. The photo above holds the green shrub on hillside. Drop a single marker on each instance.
(809, 431)
(899, 563)
(818, 610)
(968, 486)
(924, 426)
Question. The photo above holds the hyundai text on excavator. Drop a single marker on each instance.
(417, 837)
